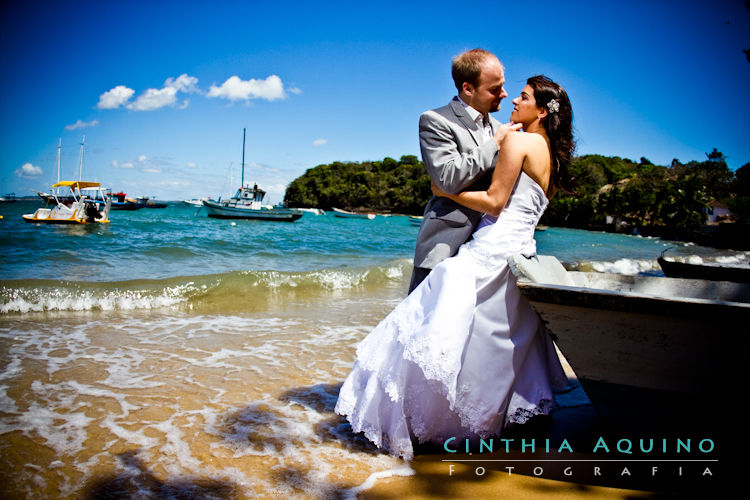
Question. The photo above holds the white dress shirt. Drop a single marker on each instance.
(482, 121)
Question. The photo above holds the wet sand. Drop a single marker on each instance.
(211, 402)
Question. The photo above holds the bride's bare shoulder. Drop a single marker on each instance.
(529, 142)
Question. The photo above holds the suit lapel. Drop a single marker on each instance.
(462, 115)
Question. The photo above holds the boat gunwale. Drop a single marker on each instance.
(631, 302)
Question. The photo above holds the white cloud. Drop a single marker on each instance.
(81, 124)
(142, 158)
(127, 164)
(28, 170)
(191, 164)
(233, 89)
(319, 142)
(183, 83)
(152, 170)
(236, 89)
(154, 99)
(115, 97)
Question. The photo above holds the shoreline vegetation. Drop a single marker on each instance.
(610, 194)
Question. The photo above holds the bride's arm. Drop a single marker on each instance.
(509, 163)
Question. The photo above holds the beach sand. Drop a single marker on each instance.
(219, 398)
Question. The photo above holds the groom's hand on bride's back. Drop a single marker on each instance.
(503, 130)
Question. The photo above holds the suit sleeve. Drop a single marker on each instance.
(450, 169)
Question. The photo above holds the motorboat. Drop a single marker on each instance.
(314, 211)
(149, 203)
(83, 209)
(345, 214)
(120, 201)
(247, 203)
(196, 202)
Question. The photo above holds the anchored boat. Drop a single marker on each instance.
(714, 271)
(351, 215)
(82, 209)
(247, 203)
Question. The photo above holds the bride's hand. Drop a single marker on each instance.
(505, 129)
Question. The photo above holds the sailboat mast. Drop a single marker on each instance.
(243, 159)
(80, 160)
(59, 146)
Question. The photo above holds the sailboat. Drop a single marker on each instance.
(81, 206)
(55, 198)
(247, 203)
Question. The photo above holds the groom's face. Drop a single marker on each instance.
(490, 90)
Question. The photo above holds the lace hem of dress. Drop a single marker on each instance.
(523, 415)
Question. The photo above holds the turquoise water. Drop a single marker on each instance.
(181, 240)
(156, 257)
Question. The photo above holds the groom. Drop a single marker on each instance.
(459, 145)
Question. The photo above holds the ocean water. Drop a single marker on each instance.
(168, 354)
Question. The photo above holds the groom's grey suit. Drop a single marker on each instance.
(457, 158)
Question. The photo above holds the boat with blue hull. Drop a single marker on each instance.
(247, 203)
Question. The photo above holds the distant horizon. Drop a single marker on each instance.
(250, 183)
(162, 91)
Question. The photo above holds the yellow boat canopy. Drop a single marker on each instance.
(76, 184)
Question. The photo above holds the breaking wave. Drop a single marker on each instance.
(245, 287)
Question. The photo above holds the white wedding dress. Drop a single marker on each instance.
(464, 353)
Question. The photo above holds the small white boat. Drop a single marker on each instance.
(351, 215)
(641, 346)
(196, 202)
(83, 209)
(315, 211)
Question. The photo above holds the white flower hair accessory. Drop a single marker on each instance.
(553, 106)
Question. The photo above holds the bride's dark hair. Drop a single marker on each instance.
(559, 126)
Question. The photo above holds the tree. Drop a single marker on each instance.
(401, 186)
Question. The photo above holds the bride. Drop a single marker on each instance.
(464, 354)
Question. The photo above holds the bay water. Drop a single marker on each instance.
(168, 354)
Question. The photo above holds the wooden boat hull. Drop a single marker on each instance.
(674, 269)
(643, 348)
(219, 211)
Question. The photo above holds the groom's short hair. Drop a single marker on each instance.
(468, 66)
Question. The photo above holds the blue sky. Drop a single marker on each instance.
(162, 90)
